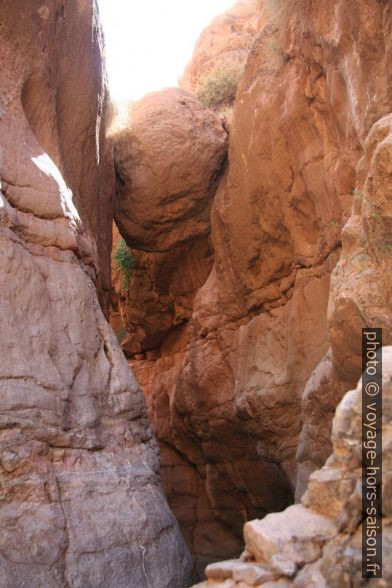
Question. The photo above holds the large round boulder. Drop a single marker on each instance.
(169, 158)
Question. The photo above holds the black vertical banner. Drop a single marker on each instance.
(371, 453)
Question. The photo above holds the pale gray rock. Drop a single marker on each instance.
(81, 502)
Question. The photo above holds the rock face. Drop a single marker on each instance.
(81, 498)
(242, 392)
(225, 42)
(161, 297)
(319, 542)
(43, 101)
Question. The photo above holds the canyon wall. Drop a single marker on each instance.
(81, 501)
(319, 543)
(226, 42)
(259, 330)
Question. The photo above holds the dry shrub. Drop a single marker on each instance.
(218, 89)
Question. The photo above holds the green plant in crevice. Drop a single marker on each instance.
(120, 334)
(125, 262)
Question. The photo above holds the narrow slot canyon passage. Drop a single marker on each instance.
(171, 157)
(231, 238)
(195, 270)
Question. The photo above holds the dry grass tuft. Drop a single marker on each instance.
(218, 89)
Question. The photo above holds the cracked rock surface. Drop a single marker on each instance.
(81, 501)
(318, 544)
(259, 336)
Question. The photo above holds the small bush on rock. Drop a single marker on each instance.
(218, 89)
(125, 262)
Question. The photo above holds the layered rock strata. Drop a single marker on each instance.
(81, 501)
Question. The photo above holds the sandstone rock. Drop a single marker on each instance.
(280, 583)
(159, 297)
(328, 551)
(282, 566)
(252, 574)
(168, 161)
(297, 534)
(221, 570)
(361, 287)
(43, 103)
(247, 387)
(225, 42)
(322, 393)
(310, 576)
(81, 502)
(216, 584)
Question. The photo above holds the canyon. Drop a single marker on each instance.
(246, 339)
(218, 417)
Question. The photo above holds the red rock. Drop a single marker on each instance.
(168, 161)
(323, 536)
(225, 42)
(245, 391)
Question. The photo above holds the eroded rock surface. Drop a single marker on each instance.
(244, 390)
(319, 543)
(168, 161)
(42, 102)
(225, 42)
(81, 502)
(161, 297)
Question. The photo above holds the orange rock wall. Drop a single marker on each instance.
(226, 41)
(242, 392)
